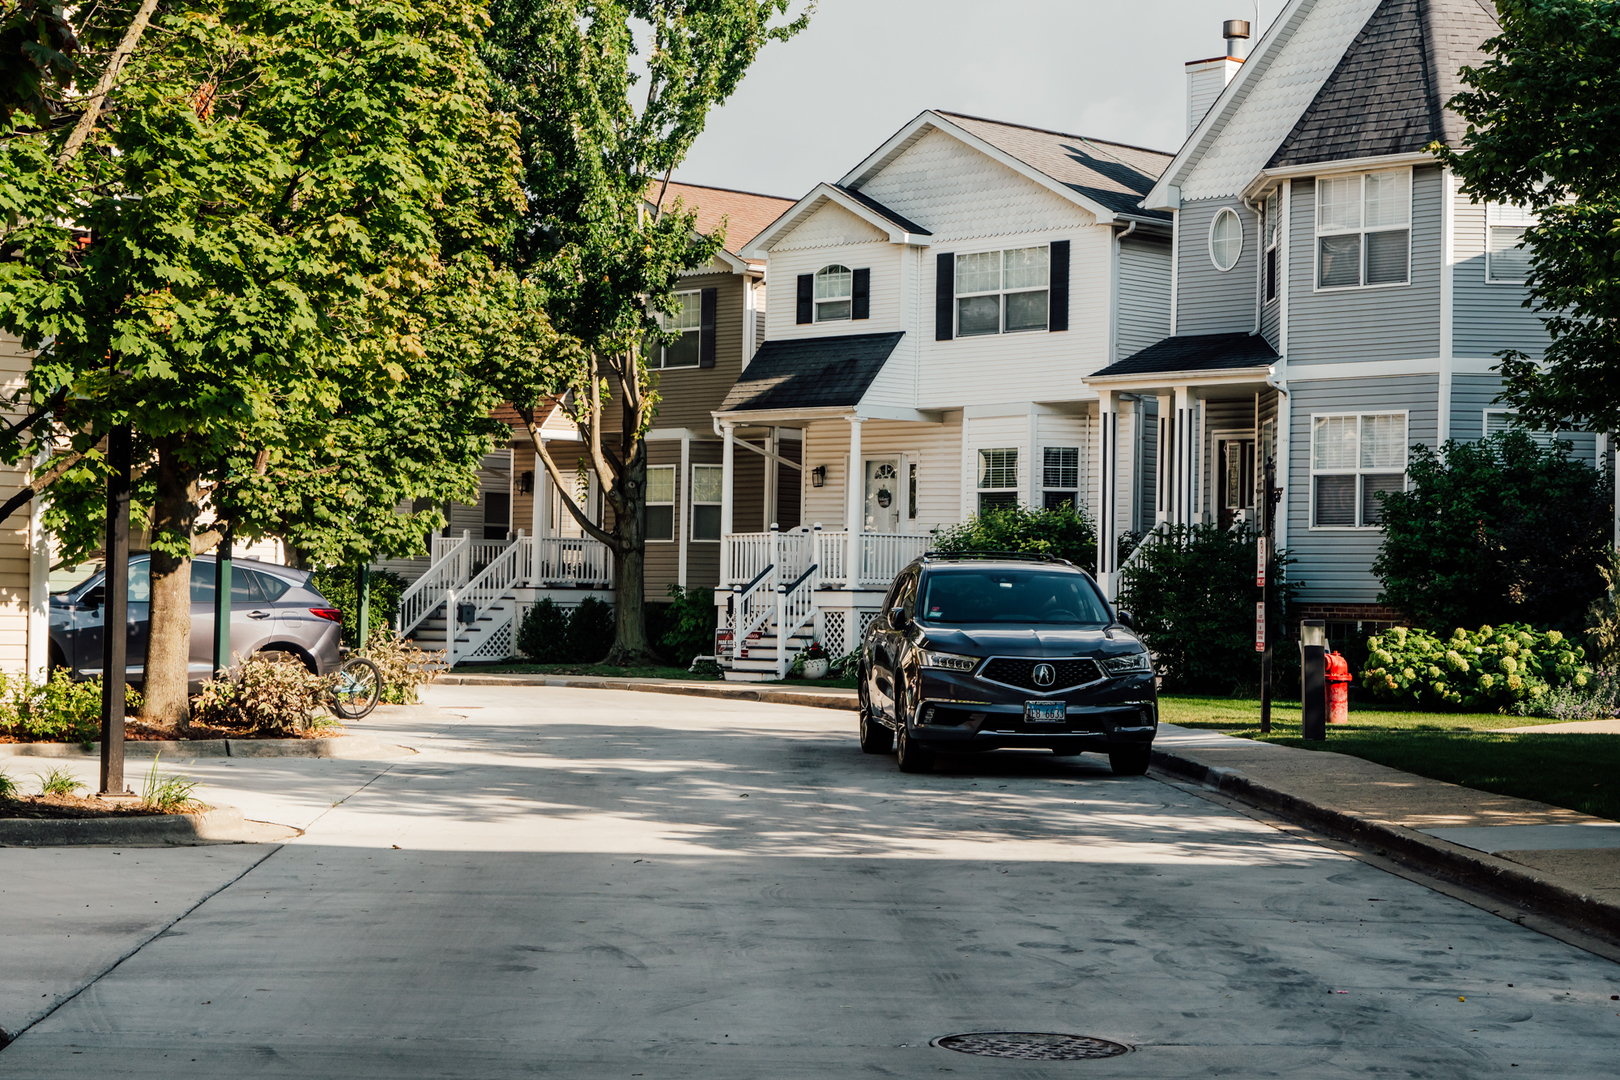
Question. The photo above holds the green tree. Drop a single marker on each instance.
(1543, 113)
(602, 123)
(1495, 532)
(248, 264)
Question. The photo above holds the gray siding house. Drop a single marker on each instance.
(1337, 301)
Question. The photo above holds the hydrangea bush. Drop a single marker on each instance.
(1492, 669)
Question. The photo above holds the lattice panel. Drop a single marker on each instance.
(497, 646)
(866, 621)
(835, 635)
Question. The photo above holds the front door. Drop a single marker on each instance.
(1235, 496)
(885, 496)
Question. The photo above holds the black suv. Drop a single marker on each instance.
(990, 650)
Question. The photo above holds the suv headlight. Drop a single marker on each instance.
(949, 661)
(1136, 663)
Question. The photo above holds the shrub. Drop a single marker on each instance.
(1496, 531)
(543, 633)
(1067, 532)
(1599, 699)
(58, 710)
(590, 631)
(341, 585)
(1192, 595)
(1492, 669)
(692, 622)
(267, 693)
(404, 667)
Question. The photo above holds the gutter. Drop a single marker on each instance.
(1259, 259)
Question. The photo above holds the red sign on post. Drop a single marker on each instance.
(1260, 627)
(1260, 565)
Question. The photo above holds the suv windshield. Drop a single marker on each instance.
(1011, 596)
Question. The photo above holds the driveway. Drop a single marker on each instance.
(584, 884)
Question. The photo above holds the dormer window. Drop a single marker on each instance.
(834, 290)
(1364, 229)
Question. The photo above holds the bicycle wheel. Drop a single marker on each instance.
(358, 689)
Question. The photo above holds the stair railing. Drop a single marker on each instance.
(448, 572)
(752, 605)
(795, 606)
(508, 570)
(1154, 537)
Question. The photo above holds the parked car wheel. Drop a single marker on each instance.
(1130, 760)
(911, 756)
(875, 738)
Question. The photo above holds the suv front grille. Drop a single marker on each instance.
(1021, 673)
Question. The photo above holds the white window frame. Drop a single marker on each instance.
(694, 502)
(1541, 438)
(691, 306)
(1503, 216)
(1359, 471)
(1361, 230)
(671, 502)
(1001, 292)
(1049, 488)
(1270, 256)
(1243, 239)
(848, 297)
(979, 490)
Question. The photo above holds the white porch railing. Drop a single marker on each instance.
(571, 560)
(447, 574)
(510, 568)
(881, 556)
(479, 552)
(795, 606)
(1154, 537)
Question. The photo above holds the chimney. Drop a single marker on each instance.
(1207, 78)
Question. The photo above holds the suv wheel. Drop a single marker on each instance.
(875, 738)
(1130, 760)
(910, 756)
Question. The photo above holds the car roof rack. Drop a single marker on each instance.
(996, 556)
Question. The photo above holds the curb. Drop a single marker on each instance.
(344, 746)
(734, 691)
(1475, 869)
(221, 823)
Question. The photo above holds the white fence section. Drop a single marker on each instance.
(447, 574)
(885, 555)
(881, 556)
(565, 560)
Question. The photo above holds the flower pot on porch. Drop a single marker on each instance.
(816, 669)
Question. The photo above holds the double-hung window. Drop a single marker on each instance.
(687, 321)
(1003, 292)
(835, 290)
(660, 502)
(1364, 229)
(1060, 479)
(707, 483)
(1507, 260)
(998, 479)
(1353, 458)
(1273, 227)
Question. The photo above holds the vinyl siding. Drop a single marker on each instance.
(936, 449)
(1207, 300)
(1224, 417)
(882, 258)
(15, 557)
(1335, 565)
(1147, 486)
(1398, 322)
(1488, 317)
(1144, 295)
(1471, 395)
(1271, 317)
(1063, 429)
(688, 395)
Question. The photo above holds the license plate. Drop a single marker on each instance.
(1045, 712)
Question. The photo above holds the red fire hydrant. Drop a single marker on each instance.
(1338, 689)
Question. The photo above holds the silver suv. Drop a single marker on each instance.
(273, 608)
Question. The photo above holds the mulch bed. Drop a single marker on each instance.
(136, 731)
(70, 806)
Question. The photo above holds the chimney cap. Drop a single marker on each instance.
(1235, 28)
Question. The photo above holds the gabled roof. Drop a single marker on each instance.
(884, 212)
(1388, 93)
(898, 229)
(811, 373)
(1195, 352)
(745, 213)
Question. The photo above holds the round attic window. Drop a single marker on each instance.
(1225, 239)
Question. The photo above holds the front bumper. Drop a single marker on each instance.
(964, 713)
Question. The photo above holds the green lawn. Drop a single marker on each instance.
(1579, 772)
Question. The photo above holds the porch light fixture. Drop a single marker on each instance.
(526, 484)
(818, 476)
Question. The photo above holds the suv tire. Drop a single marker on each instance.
(1130, 760)
(911, 756)
(875, 738)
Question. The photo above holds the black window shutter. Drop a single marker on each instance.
(807, 298)
(1058, 306)
(945, 297)
(860, 297)
(711, 302)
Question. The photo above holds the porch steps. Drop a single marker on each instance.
(493, 637)
(760, 664)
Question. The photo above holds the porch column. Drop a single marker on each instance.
(1185, 457)
(728, 477)
(682, 501)
(1164, 461)
(541, 489)
(772, 472)
(855, 499)
(1107, 431)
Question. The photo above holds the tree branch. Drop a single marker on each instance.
(104, 85)
(557, 478)
(37, 485)
(51, 405)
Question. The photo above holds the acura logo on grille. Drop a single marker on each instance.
(1044, 675)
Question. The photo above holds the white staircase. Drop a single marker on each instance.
(466, 615)
(771, 617)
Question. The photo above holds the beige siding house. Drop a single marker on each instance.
(24, 551)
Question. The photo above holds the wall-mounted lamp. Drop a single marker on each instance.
(526, 484)
(818, 476)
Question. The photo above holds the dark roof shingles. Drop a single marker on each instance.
(883, 211)
(811, 373)
(1196, 352)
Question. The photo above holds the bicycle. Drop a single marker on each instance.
(357, 688)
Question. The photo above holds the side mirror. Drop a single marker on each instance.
(1125, 619)
(899, 619)
(94, 598)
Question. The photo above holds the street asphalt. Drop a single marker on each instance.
(593, 883)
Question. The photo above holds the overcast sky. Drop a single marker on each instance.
(812, 108)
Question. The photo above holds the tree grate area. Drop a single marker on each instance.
(1031, 1046)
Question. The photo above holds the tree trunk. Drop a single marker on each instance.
(630, 646)
(168, 646)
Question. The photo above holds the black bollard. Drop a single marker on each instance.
(1313, 678)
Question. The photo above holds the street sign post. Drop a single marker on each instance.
(115, 614)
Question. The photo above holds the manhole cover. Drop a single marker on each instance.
(1031, 1045)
